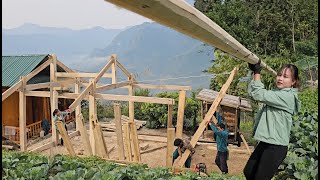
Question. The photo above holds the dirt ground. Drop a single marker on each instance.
(205, 152)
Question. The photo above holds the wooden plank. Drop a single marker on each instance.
(100, 147)
(117, 117)
(208, 116)
(124, 70)
(127, 145)
(42, 147)
(180, 116)
(153, 149)
(186, 19)
(22, 117)
(78, 111)
(103, 140)
(104, 69)
(162, 87)
(30, 87)
(11, 90)
(245, 143)
(170, 137)
(84, 135)
(65, 138)
(112, 86)
(122, 161)
(88, 75)
(92, 122)
(81, 96)
(8, 147)
(38, 69)
(135, 141)
(114, 70)
(155, 100)
(152, 138)
(131, 103)
(170, 109)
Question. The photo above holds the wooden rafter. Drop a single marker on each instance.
(208, 116)
(162, 87)
(74, 75)
(112, 86)
(11, 90)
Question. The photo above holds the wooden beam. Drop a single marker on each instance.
(131, 103)
(135, 98)
(162, 87)
(78, 109)
(88, 75)
(122, 161)
(30, 87)
(186, 19)
(38, 69)
(92, 120)
(84, 135)
(22, 117)
(104, 69)
(135, 141)
(117, 118)
(245, 143)
(77, 101)
(65, 137)
(170, 109)
(180, 116)
(114, 70)
(11, 90)
(112, 86)
(208, 116)
(124, 70)
(53, 97)
(153, 149)
(42, 147)
(127, 141)
(170, 139)
(100, 144)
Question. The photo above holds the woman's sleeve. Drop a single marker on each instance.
(275, 99)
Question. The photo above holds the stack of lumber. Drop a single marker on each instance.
(112, 127)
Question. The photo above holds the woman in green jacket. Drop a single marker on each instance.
(273, 122)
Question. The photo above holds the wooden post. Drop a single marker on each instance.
(22, 116)
(113, 69)
(208, 116)
(127, 141)
(170, 140)
(92, 118)
(131, 103)
(201, 115)
(78, 108)
(65, 138)
(245, 143)
(53, 98)
(100, 144)
(170, 108)
(117, 118)
(84, 135)
(180, 116)
(135, 141)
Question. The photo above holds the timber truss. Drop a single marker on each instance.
(127, 138)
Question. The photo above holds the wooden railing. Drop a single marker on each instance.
(33, 130)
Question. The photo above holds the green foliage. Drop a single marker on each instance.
(309, 100)
(302, 158)
(19, 165)
(137, 106)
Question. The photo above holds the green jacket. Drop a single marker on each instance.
(273, 122)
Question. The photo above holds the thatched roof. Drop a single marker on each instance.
(228, 100)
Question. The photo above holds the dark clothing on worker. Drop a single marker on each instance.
(271, 155)
(45, 126)
(180, 150)
(220, 119)
(222, 143)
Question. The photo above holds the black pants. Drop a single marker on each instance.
(65, 126)
(264, 161)
(221, 161)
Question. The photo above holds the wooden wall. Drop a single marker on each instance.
(10, 110)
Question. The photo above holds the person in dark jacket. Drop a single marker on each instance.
(183, 145)
(45, 126)
(273, 122)
(221, 133)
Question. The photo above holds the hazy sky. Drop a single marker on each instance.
(74, 14)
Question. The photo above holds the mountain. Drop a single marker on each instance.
(152, 51)
(64, 42)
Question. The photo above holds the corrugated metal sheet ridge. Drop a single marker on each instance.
(16, 66)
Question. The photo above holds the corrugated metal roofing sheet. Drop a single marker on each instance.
(15, 66)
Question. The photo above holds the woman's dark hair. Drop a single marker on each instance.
(177, 142)
(221, 125)
(295, 73)
(55, 112)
